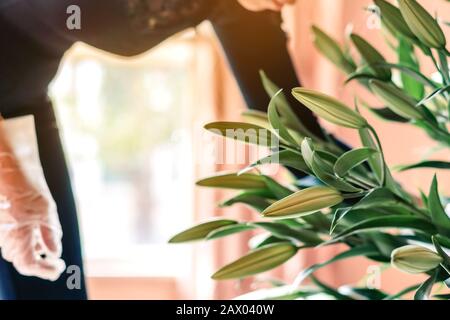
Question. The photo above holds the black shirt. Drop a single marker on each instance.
(34, 36)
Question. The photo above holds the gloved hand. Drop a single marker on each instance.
(30, 232)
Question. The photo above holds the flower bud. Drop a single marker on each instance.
(393, 19)
(234, 181)
(329, 108)
(304, 202)
(371, 56)
(200, 231)
(331, 50)
(395, 99)
(422, 24)
(258, 261)
(415, 259)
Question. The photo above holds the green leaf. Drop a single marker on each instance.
(366, 293)
(250, 198)
(245, 132)
(307, 148)
(393, 185)
(332, 50)
(257, 261)
(442, 296)
(286, 158)
(200, 231)
(434, 95)
(387, 114)
(438, 214)
(402, 293)
(289, 118)
(297, 236)
(443, 240)
(318, 221)
(446, 259)
(437, 134)
(277, 293)
(371, 56)
(393, 20)
(330, 291)
(376, 161)
(385, 243)
(410, 72)
(234, 181)
(277, 189)
(424, 291)
(276, 123)
(351, 159)
(396, 99)
(359, 75)
(405, 52)
(424, 198)
(394, 221)
(228, 230)
(424, 164)
(256, 117)
(444, 65)
(263, 240)
(364, 250)
(380, 197)
(319, 168)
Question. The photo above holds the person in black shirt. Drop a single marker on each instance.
(34, 38)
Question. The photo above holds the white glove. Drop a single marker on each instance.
(30, 232)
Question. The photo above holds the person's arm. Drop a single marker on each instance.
(30, 233)
(254, 41)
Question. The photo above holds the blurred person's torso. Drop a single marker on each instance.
(35, 35)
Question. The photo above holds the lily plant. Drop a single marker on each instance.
(355, 201)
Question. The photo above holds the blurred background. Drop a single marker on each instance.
(135, 156)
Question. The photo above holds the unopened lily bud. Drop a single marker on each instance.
(329, 108)
(234, 181)
(422, 24)
(396, 100)
(304, 202)
(393, 19)
(371, 56)
(200, 231)
(331, 50)
(415, 259)
(257, 261)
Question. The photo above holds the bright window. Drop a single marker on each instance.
(124, 127)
